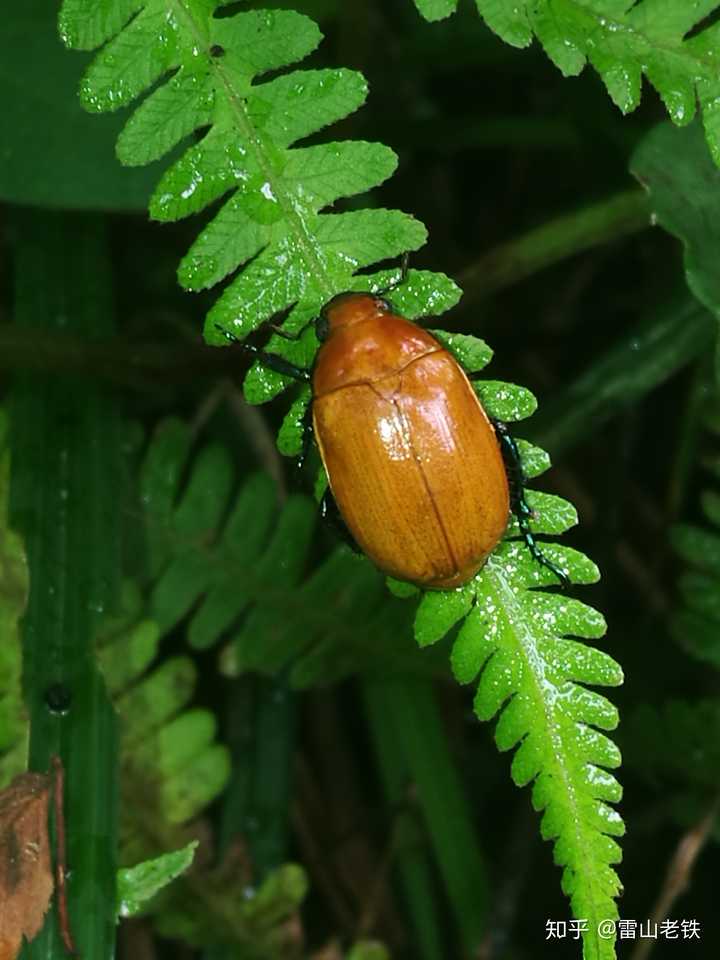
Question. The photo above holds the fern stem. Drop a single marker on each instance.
(65, 449)
(650, 354)
(411, 745)
(617, 216)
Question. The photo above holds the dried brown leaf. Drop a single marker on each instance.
(26, 878)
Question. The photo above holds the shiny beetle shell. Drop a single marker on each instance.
(411, 457)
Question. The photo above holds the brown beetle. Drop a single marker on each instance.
(412, 459)
(417, 470)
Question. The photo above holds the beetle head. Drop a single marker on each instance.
(347, 309)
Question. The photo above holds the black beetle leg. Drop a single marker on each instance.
(306, 436)
(518, 504)
(271, 360)
(404, 261)
(330, 513)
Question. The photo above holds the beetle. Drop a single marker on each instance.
(418, 471)
(411, 457)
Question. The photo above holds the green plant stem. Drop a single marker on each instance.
(65, 444)
(409, 843)
(554, 241)
(411, 747)
(135, 365)
(683, 469)
(261, 726)
(258, 799)
(650, 354)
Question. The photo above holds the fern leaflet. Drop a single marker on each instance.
(623, 40)
(695, 624)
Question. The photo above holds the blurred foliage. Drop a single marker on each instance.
(13, 597)
(623, 41)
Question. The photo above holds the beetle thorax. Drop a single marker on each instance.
(347, 309)
(368, 350)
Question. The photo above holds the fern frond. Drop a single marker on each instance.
(172, 768)
(696, 624)
(677, 744)
(533, 672)
(666, 41)
(233, 564)
(274, 193)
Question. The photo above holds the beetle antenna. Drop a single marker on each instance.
(518, 504)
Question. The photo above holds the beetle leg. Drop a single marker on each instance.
(404, 260)
(271, 360)
(518, 504)
(306, 437)
(287, 335)
(535, 551)
(331, 515)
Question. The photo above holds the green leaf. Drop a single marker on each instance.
(439, 611)
(551, 515)
(510, 22)
(422, 293)
(140, 883)
(624, 41)
(676, 169)
(172, 767)
(148, 706)
(471, 352)
(83, 26)
(65, 502)
(535, 460)
(436, 9)
(291, 435)
(505, 401)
